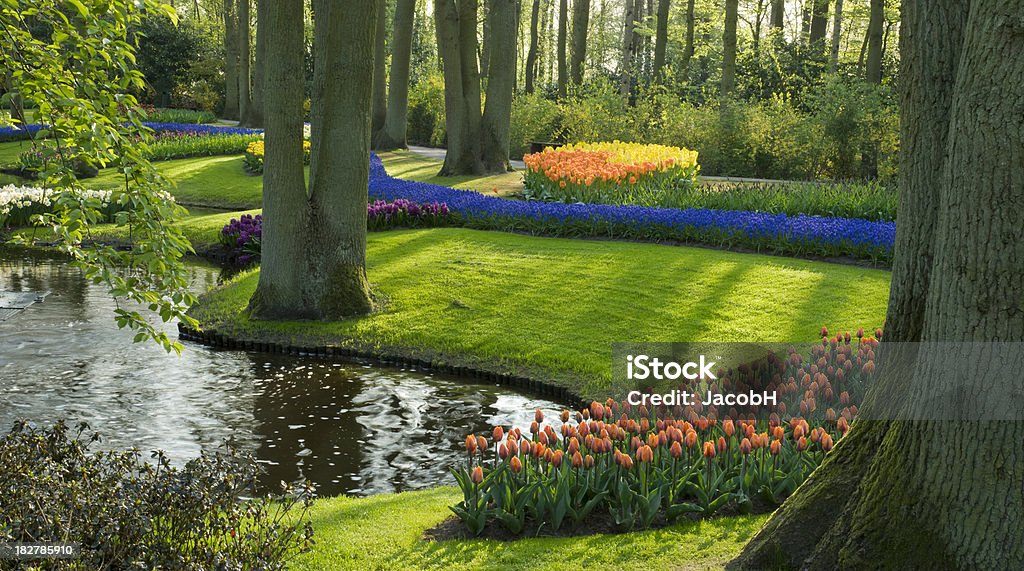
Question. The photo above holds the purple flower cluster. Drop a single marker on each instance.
(198, 130)
(18, 133)
(401, 212)
(243, 236)
(777, 233)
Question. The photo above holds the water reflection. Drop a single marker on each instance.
(349, 428)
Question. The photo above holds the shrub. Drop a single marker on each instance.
(426, 112)
(534, 118)
(610, 173)
(128, 513)
(643, 465)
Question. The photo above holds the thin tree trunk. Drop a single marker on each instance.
(278, 294)
(875, 24)
(729, 49)
(380, 78)
(837, 29)
(244, 58)
(497, 116)
(661, 39)
(336, 286)
(456, 22)
(805, 21)
(531, 56)
(256, 110)
(393, 135)
(819, 23)
(935, 494)
(230, 61)
(626, 72)
(688, 50)
(563, 32)
(778, 20)
(580, 23)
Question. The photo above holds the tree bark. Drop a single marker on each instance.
(935, 494)
(392, 136)
(689, 49)
(626, 72)
(498, 111)
(819, 24)
(244, 58)
(563, 32)
(729, 49)
(778, 18)
(456, 22)
(230, 61)
(380, 79)
(875, 24)
(837, 29)
(256, 110)
(661, 39)
(531, 56)
(580, 23)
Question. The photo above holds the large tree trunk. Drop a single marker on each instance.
(456, 22)
(498, 111)
(819, 23)
(661, 39)
(531, 56)
(335, 285)
(729, 48)
(580, 23)
(278, 294)
(256, 109)
(244, 57)
(837, 29)
(935, 494)
(778, 18)
(230, 61)
(875, 25)
(626, 72)
(688, 50)
(563, 33)
(380, 78)
(392, 136)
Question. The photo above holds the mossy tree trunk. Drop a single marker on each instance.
(819, 24)
(778, 17)
(628, 49)
(496, 127)
(314, 243)
(531, 54)
(580, 23)
(255, 116)
(729, 49)
(935, 494)
(456, 22)
(689, 48)
(562, 66)
(230, 61)
(380, 76)
(837, 28)
(876, 23)
(661, 39)
(393, 134)
(244, 32)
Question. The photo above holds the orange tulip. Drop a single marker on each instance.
(498, 434)
(709, 450)
(477, 475)
(745, 446)
(471, 444)
(516, 465)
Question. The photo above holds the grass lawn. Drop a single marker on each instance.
(410, 166)
(10, 150)
(384, 532)
(552, 307)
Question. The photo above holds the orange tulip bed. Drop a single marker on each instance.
(634, 467)
(610, 173)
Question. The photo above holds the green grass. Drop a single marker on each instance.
(10, 150)
(385, 532)
(552, 307)
(410, 166)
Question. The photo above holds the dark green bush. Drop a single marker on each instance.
(131, 514)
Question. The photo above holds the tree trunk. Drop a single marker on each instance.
(278, 294)
(563, 32)
(456, 22)
(729, 49)
(661, 39)
(778, 20)
(688, 50)
(498, 112)
(805, 21)
(837, 29)
(580, 23)
(531, 56)
(626, 73)
(244, 58)
(380, 78)
(256, 111)
(875, 24)
(335, 285)
(934, 494)
(230, 61)
(819, 24)
(392, 136)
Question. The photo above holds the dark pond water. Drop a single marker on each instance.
(349, 428)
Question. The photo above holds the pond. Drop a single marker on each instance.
(347, 427)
